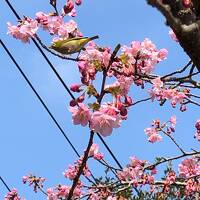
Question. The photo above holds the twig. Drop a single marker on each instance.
(164, 160)
(192, 102)
(105, 72)
(140, 101)
(178, 71)
(174, 141)
(84, 161)
(53, 3)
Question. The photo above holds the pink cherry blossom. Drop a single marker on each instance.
(12, 195)
(189, 167)
(134, 173)
(159, 92)
(171, 178)
(197, 135)
(104, 120)
(62, 192)
(121, 86)
(36, 182)
(51, 195)
(80, 114)
(94, 152)
(72, 13)
(71, 172)
(162, 54)
(43, 19)
(157, 83)
(153, 135)
(145, 53)
(192, 187)
(24, 31)
(94, 60)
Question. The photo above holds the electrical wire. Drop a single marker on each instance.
(60, 79)
(41, 100)
(5, 184)
(38, 96)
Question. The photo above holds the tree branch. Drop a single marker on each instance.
(83, 164)
(185, 24)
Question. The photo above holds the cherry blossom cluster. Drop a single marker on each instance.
(72, 170)
(36, 182)
(95, 59)
(188, 171)
(12, 195)
(189, 167)
(94, 152)
(156, 127)
(69, 7)
(162, 93)
(54, 24)
(141, 57)
(62, 192)
(102, 121)
(134, 173)
(197, 134)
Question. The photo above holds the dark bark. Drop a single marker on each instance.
(185, 22)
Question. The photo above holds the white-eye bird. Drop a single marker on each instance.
(71, 45)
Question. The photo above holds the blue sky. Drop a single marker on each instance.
(29, 140)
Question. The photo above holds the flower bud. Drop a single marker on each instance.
(73, 103)
(197, 125)
(68, 7)
(78, 2)
(81, 98)
(75, 87)
(128, 100)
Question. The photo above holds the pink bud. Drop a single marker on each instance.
(78, 2)
(68, 7)
(123, 111)
(183, 108)
(81, 98)
(73, 103)
(128, 100)
(75, 88)
(197, 125)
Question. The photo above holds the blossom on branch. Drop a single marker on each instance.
(189, 167)
(13, 195)
(104, 120)
(80, 114)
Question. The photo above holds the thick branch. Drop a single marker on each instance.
(185, 22)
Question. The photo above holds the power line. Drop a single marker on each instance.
(5, 184)
(38, 96)
(60, 79)
(42, 102)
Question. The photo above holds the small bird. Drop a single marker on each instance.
(71, 45)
